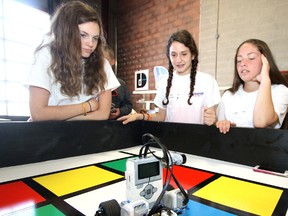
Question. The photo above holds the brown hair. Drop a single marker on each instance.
(65, 48)
(184, 37)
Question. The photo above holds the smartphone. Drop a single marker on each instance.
(271, 170)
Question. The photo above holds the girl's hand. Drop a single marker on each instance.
(224, 126)
(264, 74)
(129, 118)
(209, 116)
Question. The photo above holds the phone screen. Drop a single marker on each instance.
(273, 169)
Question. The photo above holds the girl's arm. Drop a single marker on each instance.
(40, 111)
(209, 115)
(222, 124)
(264, 113)
(94, 110)
(103, 110)
(159, 116)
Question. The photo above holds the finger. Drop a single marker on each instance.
(264, 59)
(122, 118)
(224, 126)
(227, 127)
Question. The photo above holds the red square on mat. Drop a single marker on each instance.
(188, 177)
(18, 194)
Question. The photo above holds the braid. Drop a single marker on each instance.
(192, 78)
(169, 84)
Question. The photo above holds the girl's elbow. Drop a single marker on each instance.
(104, 115)
(264, 124)
(260, 125)
(36, 117)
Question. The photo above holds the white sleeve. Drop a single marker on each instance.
(220, 112)
(161, 91)
(280, 102)
(214, 96)
(112, 81)
(38, 74)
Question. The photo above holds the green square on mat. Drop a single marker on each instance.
(48, 210)
(119, 165)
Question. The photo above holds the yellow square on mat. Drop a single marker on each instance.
(66, 182)
(242, 195)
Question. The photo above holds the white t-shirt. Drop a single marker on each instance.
(238, 108)
(39, 77)
(206, 93)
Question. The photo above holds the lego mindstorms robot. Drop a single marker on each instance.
(147, 192)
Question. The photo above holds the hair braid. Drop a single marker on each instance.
(169, 84)
(192, 78)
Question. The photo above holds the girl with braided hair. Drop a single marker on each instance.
(70, 78)
(187, 96)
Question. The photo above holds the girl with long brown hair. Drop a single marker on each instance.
(70, 78)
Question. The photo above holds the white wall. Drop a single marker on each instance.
(236, 21)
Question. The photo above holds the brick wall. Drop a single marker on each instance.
(144, 27)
